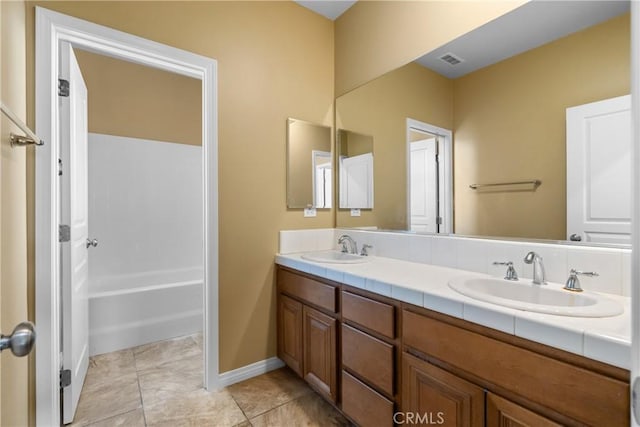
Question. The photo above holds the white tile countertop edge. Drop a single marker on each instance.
(605, 339)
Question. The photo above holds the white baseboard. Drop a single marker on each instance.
(228, 378)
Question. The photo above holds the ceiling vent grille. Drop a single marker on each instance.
(451, 59)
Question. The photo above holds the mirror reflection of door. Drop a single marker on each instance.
(355, 170)
(356, 181)
(424, 183)
(322, 182)
(599, 171)
(429, 176)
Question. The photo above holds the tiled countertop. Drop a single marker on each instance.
(604, 339)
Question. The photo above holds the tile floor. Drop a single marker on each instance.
(160, 384)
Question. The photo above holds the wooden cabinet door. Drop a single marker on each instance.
(320, 370)
(290, 332)
(431, 396)
(504, 413)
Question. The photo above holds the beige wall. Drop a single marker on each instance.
(509, 125)
(127, 99)
(275, 60)
(380, 109)
(302, 138)
(354, 144)
(375, 37)
(14, 390)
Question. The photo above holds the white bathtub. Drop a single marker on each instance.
(128, 311)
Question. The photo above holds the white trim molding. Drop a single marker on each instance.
(253, 370)
(635, 214)
(52, 28)
(445, 172)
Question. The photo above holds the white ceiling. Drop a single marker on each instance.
(328, 8)
(529, 26)
(533, 24)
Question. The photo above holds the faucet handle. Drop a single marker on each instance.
(365, 249)
(573, 283)
(511, 272)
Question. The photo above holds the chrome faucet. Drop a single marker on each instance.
(348, 244)
(538, 267)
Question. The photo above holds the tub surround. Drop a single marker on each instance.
(139, 211)
(160, 306)
(145, 275)
(416, 269)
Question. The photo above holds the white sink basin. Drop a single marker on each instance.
(334, 257)
(549, 299)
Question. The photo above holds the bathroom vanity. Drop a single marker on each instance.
(383, 361)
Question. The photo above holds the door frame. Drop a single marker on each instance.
(445, 172)
(635, 216)
(51, 29)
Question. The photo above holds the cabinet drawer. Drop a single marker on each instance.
(567, 389)
(307, 289)
(369, 358)
(371, 314)
(363, 404)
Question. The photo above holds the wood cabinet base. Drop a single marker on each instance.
(397, 363)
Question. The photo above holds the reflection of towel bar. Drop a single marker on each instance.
(30, 139)
(534, 182)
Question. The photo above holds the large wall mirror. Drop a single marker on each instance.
(504, 91)
(309, 172)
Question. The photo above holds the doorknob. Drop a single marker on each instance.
(20, 341)
(93, 242)
(575, 238)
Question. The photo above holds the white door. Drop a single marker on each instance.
(322, 181)
(599, 161)
(424, 185)
(356, 182)
(321, 161)
(73, 211)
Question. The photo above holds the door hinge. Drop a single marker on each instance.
(59, 167)
(63, 87)
(64, 233)
(439, 220)
(65, 378)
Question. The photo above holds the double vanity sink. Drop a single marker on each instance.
(549, 298)
(374, 335)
